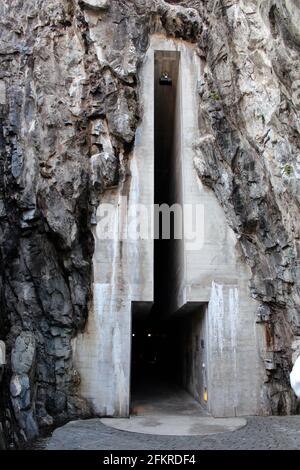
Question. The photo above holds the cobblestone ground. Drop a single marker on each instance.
(261, 433)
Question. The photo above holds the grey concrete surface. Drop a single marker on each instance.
(152, 396)
(261, 433)
(162, 408)
(175, 425)
(210, 269)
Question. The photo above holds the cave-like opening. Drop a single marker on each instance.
(163, 346)
(169, 359)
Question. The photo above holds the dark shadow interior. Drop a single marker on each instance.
(166, 359)
(154, 353)
(159, 356)
(165, 101)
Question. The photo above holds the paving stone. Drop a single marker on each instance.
(261, 433)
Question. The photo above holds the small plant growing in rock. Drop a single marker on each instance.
(214, 96)
(288, 170)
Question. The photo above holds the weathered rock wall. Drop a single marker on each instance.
(69, 81)
(249, 155)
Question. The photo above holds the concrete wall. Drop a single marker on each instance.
(211, 274)
(234, 369)
(177, 268)
(194, 355)
(215, 274)
(123, 273)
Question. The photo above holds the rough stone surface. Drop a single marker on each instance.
(96, 4)
(22, 384)
(62, 100)
(23, 353)
(248, 154)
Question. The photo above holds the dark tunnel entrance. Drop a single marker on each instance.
(151, 353)
(154, 366)
(163, 346)
(168, 360)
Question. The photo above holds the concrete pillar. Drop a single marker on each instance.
(123, 274)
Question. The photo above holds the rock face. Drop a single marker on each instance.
(95, 4)
(69, 110)
(22, 384)
(249, 156)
